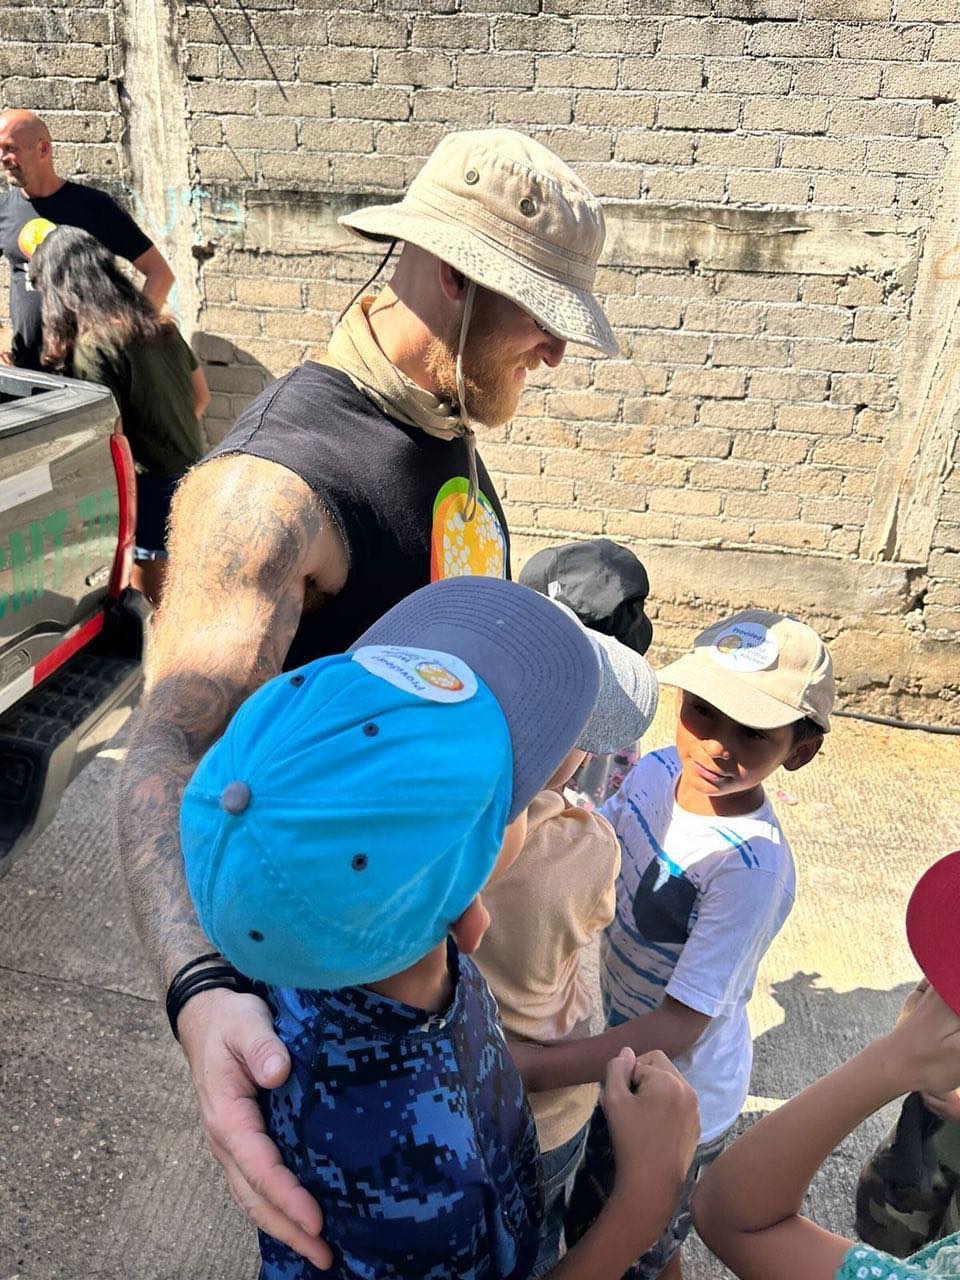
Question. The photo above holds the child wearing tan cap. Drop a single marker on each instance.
(706, 882)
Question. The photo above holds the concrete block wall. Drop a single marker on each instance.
(783, 271)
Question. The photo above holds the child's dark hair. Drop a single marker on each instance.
(805, 729)
(86, 295)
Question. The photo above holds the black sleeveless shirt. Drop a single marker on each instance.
(394, 492)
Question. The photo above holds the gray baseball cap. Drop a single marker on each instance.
(540, 665)
(628, 695)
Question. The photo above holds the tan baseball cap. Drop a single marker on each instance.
(510, 215)
(762, 669)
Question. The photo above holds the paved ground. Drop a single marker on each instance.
(102, 1170)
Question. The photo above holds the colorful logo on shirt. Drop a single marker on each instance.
(461, 547)
(426, 673)
(32, 235)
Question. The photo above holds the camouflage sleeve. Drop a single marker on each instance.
(907, 1195)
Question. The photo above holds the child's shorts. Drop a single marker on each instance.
(154, 496)
(594, 1184)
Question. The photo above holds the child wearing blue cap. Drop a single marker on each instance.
(335, 836)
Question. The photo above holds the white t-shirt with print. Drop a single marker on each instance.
(699, 900)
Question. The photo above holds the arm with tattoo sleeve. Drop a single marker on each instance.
(246, 537)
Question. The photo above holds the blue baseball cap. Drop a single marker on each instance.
(355, 807)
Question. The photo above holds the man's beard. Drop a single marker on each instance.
(492, 390)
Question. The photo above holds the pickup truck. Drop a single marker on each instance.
(71, 629)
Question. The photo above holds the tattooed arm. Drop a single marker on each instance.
(247, 538)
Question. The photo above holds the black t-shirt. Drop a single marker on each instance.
(394, 492)
(22, 224)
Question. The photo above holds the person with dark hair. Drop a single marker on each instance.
(40, 199)
(706, 882)
(606, 586)
(98, 327)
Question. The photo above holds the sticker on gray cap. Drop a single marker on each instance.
(426, 673)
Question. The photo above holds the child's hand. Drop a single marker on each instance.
(654, 1124)
(926, 1044)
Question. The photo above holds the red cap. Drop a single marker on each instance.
(933, 927)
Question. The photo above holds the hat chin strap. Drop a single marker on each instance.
(469, 435)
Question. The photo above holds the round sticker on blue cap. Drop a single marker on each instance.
(745, 646)
(427, 673)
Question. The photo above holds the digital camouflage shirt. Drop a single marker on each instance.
(413, 1132)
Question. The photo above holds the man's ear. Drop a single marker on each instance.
(453, 283)
(803, 753)
(468, 931)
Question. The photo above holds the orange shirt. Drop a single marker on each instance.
(553, 901)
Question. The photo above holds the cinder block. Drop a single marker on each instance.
(747, 75)
(885, 43)
(293, 30)
(537, 489)
(673, 75)
(596, 107)
(727, 475)
(241, 131)
(822, 153)
(454, 107)
(378, 172)
(806, 115)
(836, 510)
(803, 537)
(724, 317)
(718, 384)
(695, 442)
(936, 81)
(657, 146)
(337, 66)
(804, 321)
(778, 189)
(855, 191)
(452, 31)
(821, 419)
(599, 35)
(578, 73)
(657, 411)
(872, 118)
(737, 151)
(642, 313)
(250, 64)
(848, 453)
(573, 464)
(496, 71)
(252, 291)
(699, 111)
(337, 135)
(672, 185)
(751, 352)
(736, 415)
(905, 156)
(791, 40)
(371, 102)
(754, 286)
(863, 389)
(642, 525)
(573, 144)
(838, 79)
(696, 502)
(417, 69)
(404, 139)
(703, 35)
(769, 384)
(221, 99)
(671, 473)
(805, 480)
(539, 34)
(368, 30)
(762, 506)
(772, 447)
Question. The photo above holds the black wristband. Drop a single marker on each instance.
(192, 979)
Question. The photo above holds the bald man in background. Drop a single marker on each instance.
(38, 199)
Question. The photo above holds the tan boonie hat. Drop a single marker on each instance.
(761, 669)
(510, 215)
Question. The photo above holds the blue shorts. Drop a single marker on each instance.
(154, 496)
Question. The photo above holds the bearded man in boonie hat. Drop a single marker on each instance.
(345, 486)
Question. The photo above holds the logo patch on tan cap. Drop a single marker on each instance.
(745, 646)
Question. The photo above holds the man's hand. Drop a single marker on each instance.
(654, 1125)
(6, 357)
(232, 1050)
